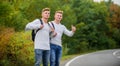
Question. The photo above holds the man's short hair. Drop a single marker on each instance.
(59, 11)
(45, 9)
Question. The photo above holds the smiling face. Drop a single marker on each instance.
(58, 16)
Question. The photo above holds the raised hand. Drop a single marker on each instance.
(73, 28)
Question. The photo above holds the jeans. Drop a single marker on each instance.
(55, 54)
(42, 55)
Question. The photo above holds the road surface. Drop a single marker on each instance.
(100, 58)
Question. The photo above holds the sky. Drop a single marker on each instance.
(115, 1)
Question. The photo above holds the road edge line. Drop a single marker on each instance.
(114, 53)
(68, 63)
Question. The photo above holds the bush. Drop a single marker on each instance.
(21, 49)
(5, 35)
(16, 49)
(5, 11)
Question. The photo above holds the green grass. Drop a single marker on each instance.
(67, 57)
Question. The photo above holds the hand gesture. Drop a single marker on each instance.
(41, 26)
(52, 29)
(53, 32)
(73, 28)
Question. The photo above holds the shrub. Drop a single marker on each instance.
(21, 49)
(16, 49)
(5, 35)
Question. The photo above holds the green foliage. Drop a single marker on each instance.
(10, 16)
(18, 21)
(77, 43)
(5, 35)
(18, 13)
(20, 47)
(92, 35)
(90, 18)
(5, 11)
(69, 17)
(116, 36)
(35, 8)
(16, 48)
(106, 43)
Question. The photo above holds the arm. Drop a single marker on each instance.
(33, 25)
(69, 33)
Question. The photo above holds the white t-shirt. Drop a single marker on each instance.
(42, 36)
(60, 29)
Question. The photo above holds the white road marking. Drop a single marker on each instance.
(68, 63)
(115, 53)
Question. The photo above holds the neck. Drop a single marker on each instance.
(44, 20)
(57, 22)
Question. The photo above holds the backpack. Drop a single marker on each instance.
(34, 32)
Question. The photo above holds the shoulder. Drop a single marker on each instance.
(50, 22)
(36, 20)
(63, 26)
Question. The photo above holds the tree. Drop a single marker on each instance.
(93, 15)
(114, 17)
(5, 12)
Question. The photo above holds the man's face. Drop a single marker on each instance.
(46, 14)
(58, 16)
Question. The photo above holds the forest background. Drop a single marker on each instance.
(97, 23)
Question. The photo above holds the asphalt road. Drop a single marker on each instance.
(100, 58)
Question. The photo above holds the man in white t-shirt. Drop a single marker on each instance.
(41, 43)
(55, 42)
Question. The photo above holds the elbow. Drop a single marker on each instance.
(70, 35)
(27, 28)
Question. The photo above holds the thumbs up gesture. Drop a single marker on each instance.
(73, 28)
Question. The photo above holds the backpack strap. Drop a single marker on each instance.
(52, 25)
(41, 24)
